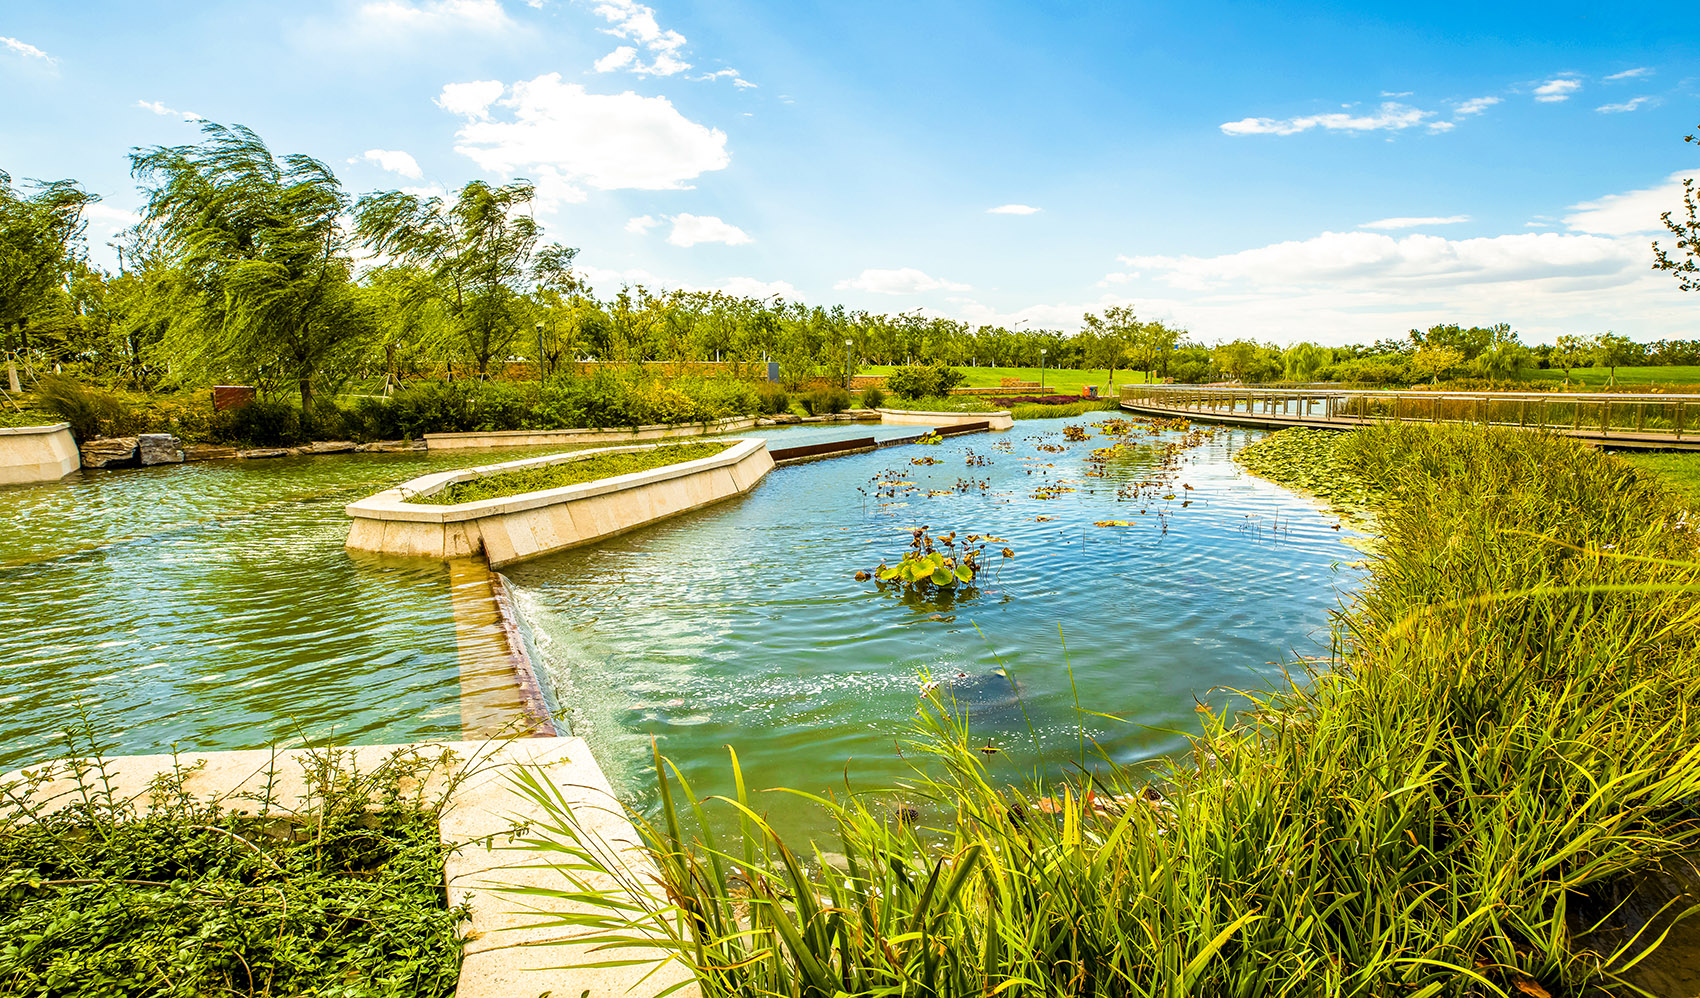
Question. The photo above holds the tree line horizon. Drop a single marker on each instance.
(253, 267)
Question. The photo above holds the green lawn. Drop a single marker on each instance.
(1065, 382)
(1681, 469)
(1626, 376)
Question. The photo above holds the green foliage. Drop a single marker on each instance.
(1506, 739)
(873, 397)
(772, 399)
(1684, 262)
(933, 565)
(102, 896)
(39, 231)
(923, 380)
(1031, 410)
(823, 401)
(264, 423)
(10, 417)
(91, 412)
(573, 472)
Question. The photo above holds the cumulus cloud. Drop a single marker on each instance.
(1632, 212)
(636, 23)
(641, 224)
(1012, 209)
(726, 74)
(607, 280)
(437, 15)
(393, 160)
(899, 281)
(1412, 222)
(1631, 74)
(1475, 105)
(1553, 91)
(1628, 105)
(1390, 116)
(159, 108)
(689, 230)
(25, 49)
(566, 139)
(750, 287)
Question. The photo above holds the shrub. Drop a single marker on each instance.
(872, 397)
(772, 398)
(822, 401)
(90, 412)
(923, 380)
(263, 422)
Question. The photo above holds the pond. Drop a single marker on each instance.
(744, 624)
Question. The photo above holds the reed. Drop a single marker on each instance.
(1507, 731)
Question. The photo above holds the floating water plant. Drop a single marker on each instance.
(932, 564)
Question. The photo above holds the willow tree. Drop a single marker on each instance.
(476, 251)
(40, 225)
(262, 264)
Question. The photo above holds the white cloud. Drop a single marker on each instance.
(636, 23)
(1413, 222)
(641, 224)
(1389, 116)
(901, 281)
(563, 137)
(689, 230)
(750, 287)
(437, 15)
(393, 160)
(1631, 74)
(1475, 105)
(1628, 105)
(726, 74)
(159, 108)
(1012, 209)
(471, 100)
(1632, 212)
(607, 280)
(1398, 93)
(1556, 90)
(25, 49)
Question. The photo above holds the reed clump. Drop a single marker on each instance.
(1511, 725)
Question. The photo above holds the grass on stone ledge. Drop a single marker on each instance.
(554, 476)
(1508, 734)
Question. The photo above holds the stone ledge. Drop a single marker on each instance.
(999, 420)
(37, 453)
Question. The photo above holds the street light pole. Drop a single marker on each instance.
(1041, 369)
(848, 369)
(540, 353)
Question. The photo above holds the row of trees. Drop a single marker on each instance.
(253, 267)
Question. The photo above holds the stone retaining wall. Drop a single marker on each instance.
(513, 528)
(1000, 420)
(37, 453)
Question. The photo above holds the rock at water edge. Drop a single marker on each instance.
(108, 452)
(160, 448)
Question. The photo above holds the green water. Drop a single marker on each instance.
(743, 625)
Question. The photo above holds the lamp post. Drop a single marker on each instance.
(1041, 369)
(848, 369)
(540, 353)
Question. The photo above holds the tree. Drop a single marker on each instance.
(1685, 262)
(39, 229)
(476, 251)
(1571, 351)
(1611, 350)
(262, 263)
(1303, 361)
(1433, 361)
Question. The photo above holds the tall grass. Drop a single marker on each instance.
(1511, 727)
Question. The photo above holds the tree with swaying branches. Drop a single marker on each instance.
(40, 225)
(476, 251)
(262, 263)
(1684, 263)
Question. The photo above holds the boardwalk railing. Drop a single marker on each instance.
(1645, 420)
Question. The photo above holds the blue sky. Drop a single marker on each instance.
(1327, 172)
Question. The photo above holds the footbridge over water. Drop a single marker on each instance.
(1616, 420)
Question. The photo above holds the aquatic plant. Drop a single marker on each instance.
(935, 563)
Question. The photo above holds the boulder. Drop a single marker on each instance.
(109, 452)
(260, 452)
(160, 448)
(207, 452)
(329, 447)
(391, 446)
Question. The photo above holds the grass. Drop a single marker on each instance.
(577, 472)
(10, 417)
(941, 403)
(1065, 381)
(190, 899)
(1675, 375)
(1031, 410)
(1507, 736)
(1679, 469)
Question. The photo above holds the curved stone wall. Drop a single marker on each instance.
(513, 528)
(613, 435)
(37, 453)
(1000, 420)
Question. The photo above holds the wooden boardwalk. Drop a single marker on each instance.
(1619, 421)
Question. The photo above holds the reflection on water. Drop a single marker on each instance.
(742, 625)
